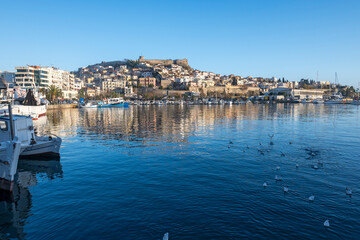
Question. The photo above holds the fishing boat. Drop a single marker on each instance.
(114, 102)
(318, 101)
(305, 100)
(26, 107)
(334, 99)
(31, 145)
(89, 105)
(29, 107)
(9, 157)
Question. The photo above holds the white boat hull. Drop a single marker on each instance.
(33, 111)
(9, 157)
(333, 102)
(44, 147)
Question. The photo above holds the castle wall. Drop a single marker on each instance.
(164, 62)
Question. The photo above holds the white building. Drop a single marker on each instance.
(44, 77)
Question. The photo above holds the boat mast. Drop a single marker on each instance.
(336, 81)
(11, 122)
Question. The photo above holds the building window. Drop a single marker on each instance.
(3, 126)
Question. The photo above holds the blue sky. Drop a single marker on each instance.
(292, 39)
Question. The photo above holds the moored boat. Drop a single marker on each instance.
(89, 105)
(9, 157)
(334, 99)
(31, 145)
(318, 101)
(114, 102)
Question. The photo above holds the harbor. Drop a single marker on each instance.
(176, 120)
(164, 166)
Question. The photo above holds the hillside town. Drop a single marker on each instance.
(155, 78)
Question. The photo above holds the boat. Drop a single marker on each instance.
(305, 101)
(318, 101)
(9, 157)
(31, 145)
(355, 102)
(29, 107)
(334, 99)
(10, 149)
(89, 105)
(114, 102)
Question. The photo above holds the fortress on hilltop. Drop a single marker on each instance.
(183, 62)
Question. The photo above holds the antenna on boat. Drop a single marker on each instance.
(317, 76)
(336, 78)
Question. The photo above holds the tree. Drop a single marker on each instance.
(82, 93)
(53, 92)
(43, 91)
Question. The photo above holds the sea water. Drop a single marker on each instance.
(196, 172)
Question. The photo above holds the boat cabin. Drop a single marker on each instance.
(23, 128)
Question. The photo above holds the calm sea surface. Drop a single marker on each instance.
(140, 172)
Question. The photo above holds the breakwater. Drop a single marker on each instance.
(61, 106)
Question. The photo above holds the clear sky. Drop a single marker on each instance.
(283, 38)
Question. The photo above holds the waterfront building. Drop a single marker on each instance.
(309, 93)
(32, 77)
(43, 77)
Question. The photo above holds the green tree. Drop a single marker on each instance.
(43, 91)
(82, 93)
(53, 92)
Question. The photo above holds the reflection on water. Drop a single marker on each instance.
(142, 123)
(137, 173)
(15, 207)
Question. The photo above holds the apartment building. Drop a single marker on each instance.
(39, 77)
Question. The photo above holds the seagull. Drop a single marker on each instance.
(286, 189)
(278, 178)
(348, 191)
(297, 165)
(315, 166)
(166, 236)
(271, 137)
(282, 154)
(230, 142)
(260, 143)
(247, 147)
(278, 168)
(311, 198)
(265, 184)
(290, 142)
(327, 223)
